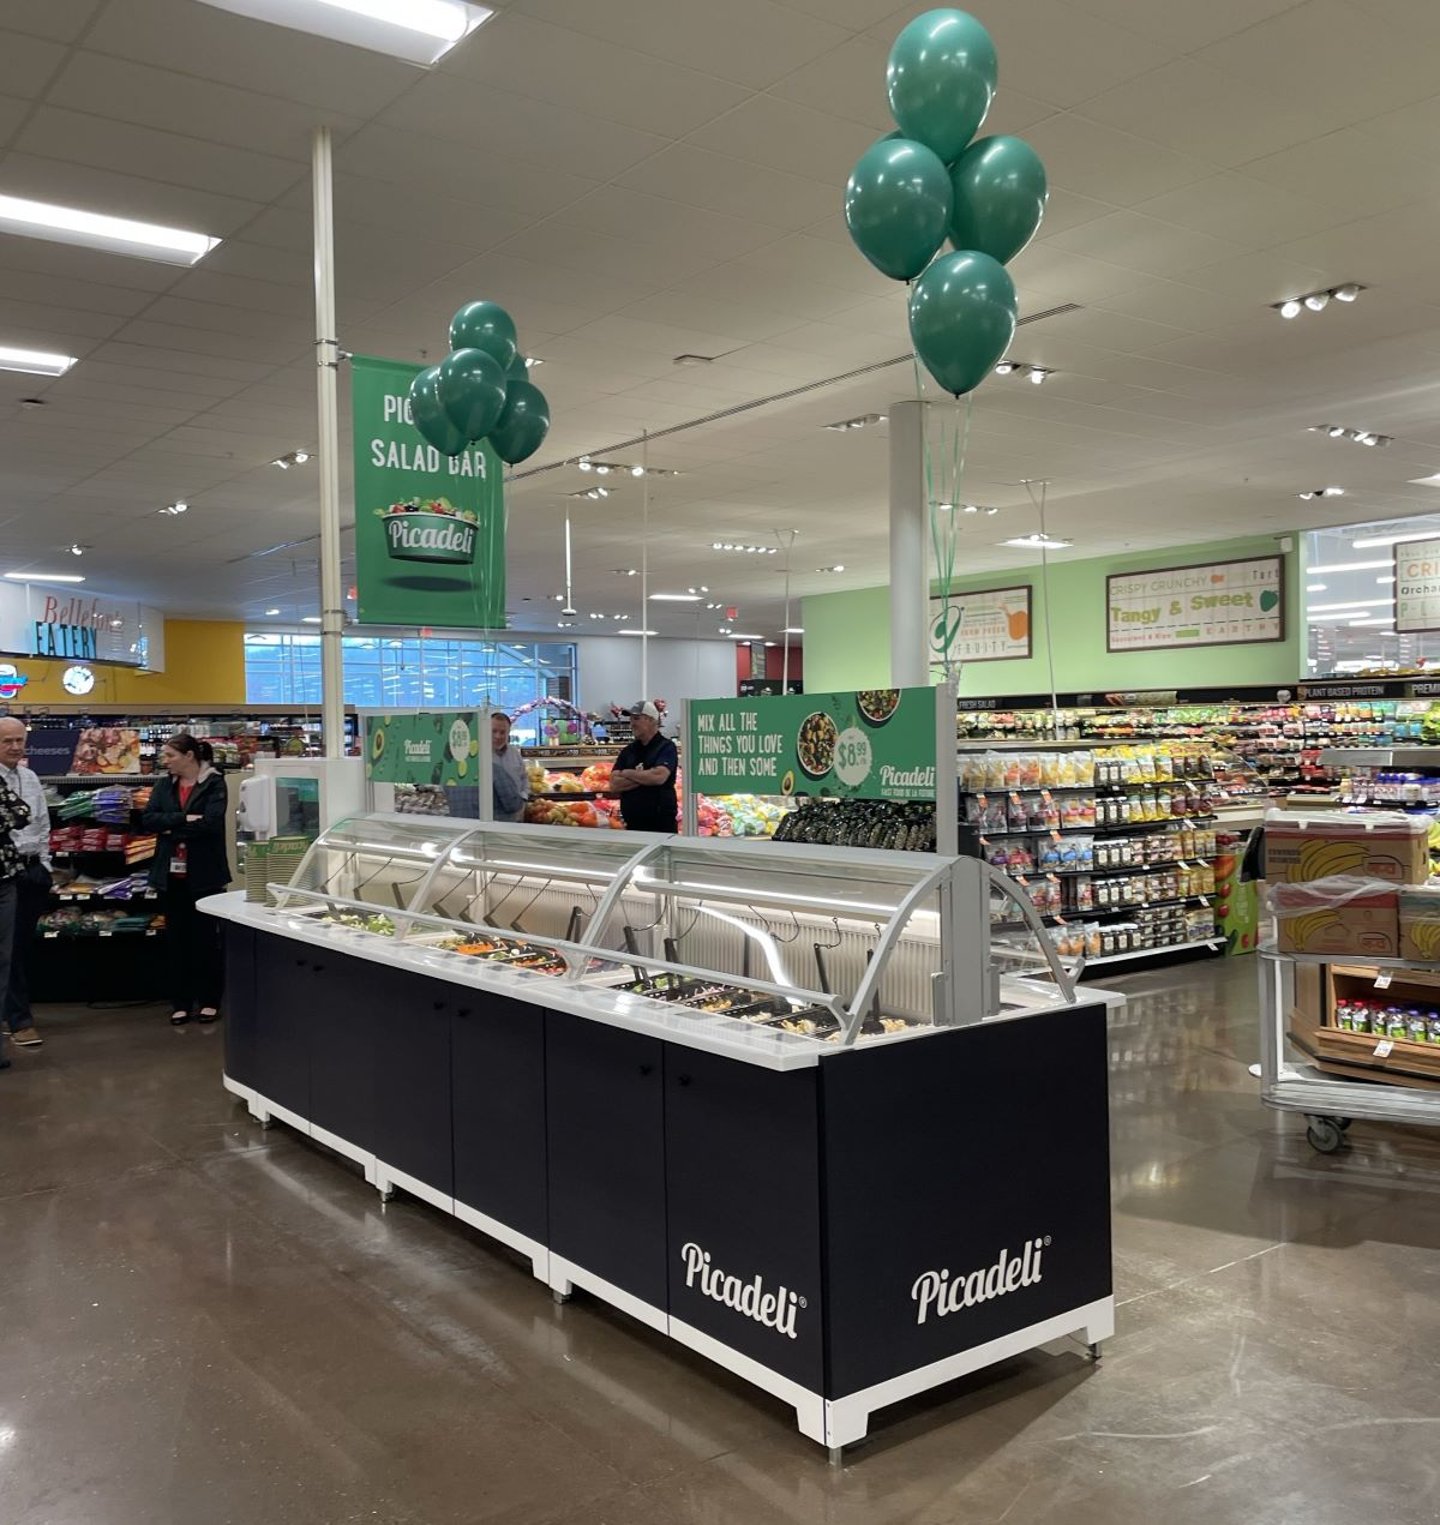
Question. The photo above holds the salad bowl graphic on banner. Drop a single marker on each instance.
(429, 529)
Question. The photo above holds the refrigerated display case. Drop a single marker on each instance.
(692, 1078)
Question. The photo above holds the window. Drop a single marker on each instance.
(408, 672)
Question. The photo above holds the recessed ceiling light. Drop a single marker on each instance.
(1316, 587)
(76, 549)
(34, 362)
(675, 598)
(748, 550)
(1347, 293)
(1290, 309)
(1318, 301)
(838, 567)
(179, 506)
(418, 31)
(93, 230)
(43, 577)
(1322, 492)
(310, 619)
(272, 611)
(1038, 542)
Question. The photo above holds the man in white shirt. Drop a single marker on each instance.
(32, 896)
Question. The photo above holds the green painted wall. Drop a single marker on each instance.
(847, 635)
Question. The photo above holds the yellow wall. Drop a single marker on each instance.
(204, 667)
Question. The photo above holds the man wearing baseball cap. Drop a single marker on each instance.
(644, 774)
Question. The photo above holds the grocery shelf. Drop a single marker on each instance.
(1134, 953)
(1381, 757)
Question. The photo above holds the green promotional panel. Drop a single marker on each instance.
(429, 528)
(875, 744)
(438, 748)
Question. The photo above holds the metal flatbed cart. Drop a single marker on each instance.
(1291, 1082)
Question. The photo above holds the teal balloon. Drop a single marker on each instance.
(999, 190)
(941, 80)
(517, 370)
(962, 318)
(472, 391)
(897, 206)
(427, 412)
(523, 425)
(487, 326)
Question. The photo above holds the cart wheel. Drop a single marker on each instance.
(1325, 1134)
(1343, 1123)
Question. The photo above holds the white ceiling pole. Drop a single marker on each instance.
(327, 366)
(909, 526)
(645, 569)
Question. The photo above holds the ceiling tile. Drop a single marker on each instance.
(27, 64)
(1350, 170)
(848, 81)
(1136, 242)
(780, 135)
(1115, 167)
(1234, 206)
(62, 20)
(716, 183)
(682, 31)
(1182, 24)
(590, 75)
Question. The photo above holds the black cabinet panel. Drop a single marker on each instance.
(241, 1036)
(413, 1088)
(498, 1087)
(742, 1169)
(967, 1190)
(605, 1126)
(345, 1023)
(285, 988)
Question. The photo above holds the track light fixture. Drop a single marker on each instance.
(1323, 492)
(1317, 301)
(856, 423)
(1034, 373)
(1360, 436)
(291, 458)
(622, 468)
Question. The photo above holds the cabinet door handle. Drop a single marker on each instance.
(683, 1080)
(299, 963)
(646, 1069)
(462, 1011)
(317, 968)
(437, 1006)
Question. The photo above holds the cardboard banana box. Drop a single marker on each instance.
(1309, 918)
(1375, 845)
(1420, 925)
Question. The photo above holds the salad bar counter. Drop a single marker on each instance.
(728, 1087)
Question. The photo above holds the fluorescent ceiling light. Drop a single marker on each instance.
(1316, 587)
(1389, 619)
(272, 611)
(1353, 566)
(1358, 603)
(418, 31)
(1374, 542)
(636, 632)
(43, 577)
(1038, 542)
(311, 619)
(1384, 580)
(793, 630)
(34, 362)
(1430, 481)
(675, 598)
(92, 230)
(736, 635)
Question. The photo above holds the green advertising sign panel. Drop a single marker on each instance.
(438, 748)
(877, 744)
(429, 529)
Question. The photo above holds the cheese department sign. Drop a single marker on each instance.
(1222, 603)
(1417, 586)
(75, 627)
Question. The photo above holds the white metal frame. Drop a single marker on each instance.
(1291, 1085)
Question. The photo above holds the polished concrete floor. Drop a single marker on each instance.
(204, 1323)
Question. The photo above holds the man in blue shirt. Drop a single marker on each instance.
(644, 775)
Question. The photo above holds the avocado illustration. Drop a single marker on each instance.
(377, 743)
(462, 767)
(474, 749)
(787, 784)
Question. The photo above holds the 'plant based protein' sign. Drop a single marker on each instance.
(1223, 603)
(429, 528)
(875, 744)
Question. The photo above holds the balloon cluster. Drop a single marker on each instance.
(928, 181)
(480, 390)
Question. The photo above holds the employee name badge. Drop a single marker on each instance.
(177, 864)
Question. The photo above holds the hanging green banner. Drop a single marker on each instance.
(876, 744)
(429, 529)
(427, 748)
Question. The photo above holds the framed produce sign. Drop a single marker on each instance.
(987, 625)
(1219, 603)
(1417, 586)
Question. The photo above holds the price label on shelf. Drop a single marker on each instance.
(1382, 980)
(107, 934)
(1383, 1048)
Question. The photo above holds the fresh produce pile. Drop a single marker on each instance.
(740, 815)
(602, 813)
(906, 827)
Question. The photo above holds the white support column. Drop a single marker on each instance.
(327, 366)
(909, 533)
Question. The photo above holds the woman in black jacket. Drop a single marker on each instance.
(187, 814)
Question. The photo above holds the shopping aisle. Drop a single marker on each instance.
(207, 1322)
